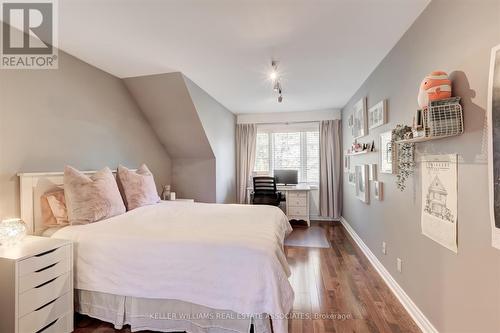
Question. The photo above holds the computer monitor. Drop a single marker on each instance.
(286, 177)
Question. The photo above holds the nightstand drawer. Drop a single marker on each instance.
(61, 325)
(297, 202)
(296, 194)
(43, 275)
(297, 211)
(43, 260)
(43, 294)
(59, 310)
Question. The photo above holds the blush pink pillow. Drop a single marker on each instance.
(138, 187)
(91, 199)
(54, 212)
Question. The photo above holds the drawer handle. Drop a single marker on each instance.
(44, 253)
(43, 284)
(42, 269)
(46, 304)
(47, 326)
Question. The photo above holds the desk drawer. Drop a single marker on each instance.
(296, 194)
(57, 314)
(39, 296)
(43, 275)
(297, 202)
(301, 211)
(43, 260)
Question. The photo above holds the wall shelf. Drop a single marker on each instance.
(361, 152)
(442, 119)
(425, 138)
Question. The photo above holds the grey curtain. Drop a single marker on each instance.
(246, 136)
(330, 169)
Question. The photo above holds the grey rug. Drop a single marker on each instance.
(308, 237)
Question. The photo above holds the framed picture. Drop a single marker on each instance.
(377, 115)
(347, 166)
(350, 121)
(362, 190)
(493, 115)
(373, 172)
(378, 190)
(359, 128)
(386, 152)
(351, 178)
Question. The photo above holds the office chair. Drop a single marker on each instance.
(264, 192)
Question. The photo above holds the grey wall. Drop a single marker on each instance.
(194, 179)
(167, 104)
(458, 293)
(76, 115)
(197, 132)
(220, 127)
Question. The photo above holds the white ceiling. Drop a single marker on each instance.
(326, 49)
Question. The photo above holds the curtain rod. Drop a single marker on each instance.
(289, 122)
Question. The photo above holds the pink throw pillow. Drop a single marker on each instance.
(54, 212)
(138, 187)
(91, 199)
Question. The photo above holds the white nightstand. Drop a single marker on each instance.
(36, 286)
(186, 200)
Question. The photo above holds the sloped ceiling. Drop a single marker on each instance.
(326, 48)
(168, 106)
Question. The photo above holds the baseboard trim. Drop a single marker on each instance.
(322, 218)
(420, 319)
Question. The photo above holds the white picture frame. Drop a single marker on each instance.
(373, 172)
(386, 153)
(347, 162)
(377, 114)
(359, 126)
(350, 121)
(378, 190)
(362, 185)
(351, 178)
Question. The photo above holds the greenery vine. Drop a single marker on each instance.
(405, 155)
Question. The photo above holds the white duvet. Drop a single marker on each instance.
(226, 257)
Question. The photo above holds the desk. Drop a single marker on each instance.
(297, 201)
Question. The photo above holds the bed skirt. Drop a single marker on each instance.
(164, 315)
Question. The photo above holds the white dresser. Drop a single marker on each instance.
(297, 204)
(36, 286)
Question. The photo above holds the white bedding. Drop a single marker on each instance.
(227, 257)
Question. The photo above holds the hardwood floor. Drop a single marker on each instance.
(336, 290)
(340, 284)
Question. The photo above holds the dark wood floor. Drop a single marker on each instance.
(336, 290)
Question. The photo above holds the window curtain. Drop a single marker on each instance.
(246, 136)
(330, 168)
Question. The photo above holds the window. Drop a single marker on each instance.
(289, 148)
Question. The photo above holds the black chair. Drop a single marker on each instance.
(265, 193)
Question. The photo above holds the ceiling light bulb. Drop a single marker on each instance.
(273, 75)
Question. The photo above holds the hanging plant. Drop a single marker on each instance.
(405, 155)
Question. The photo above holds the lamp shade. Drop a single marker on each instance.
(12, 231)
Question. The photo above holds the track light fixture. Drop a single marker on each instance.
(276, 80)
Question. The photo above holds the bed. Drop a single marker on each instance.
(222, 264)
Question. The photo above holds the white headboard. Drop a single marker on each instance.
(32, 187)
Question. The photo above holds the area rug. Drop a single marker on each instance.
(313, 236)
